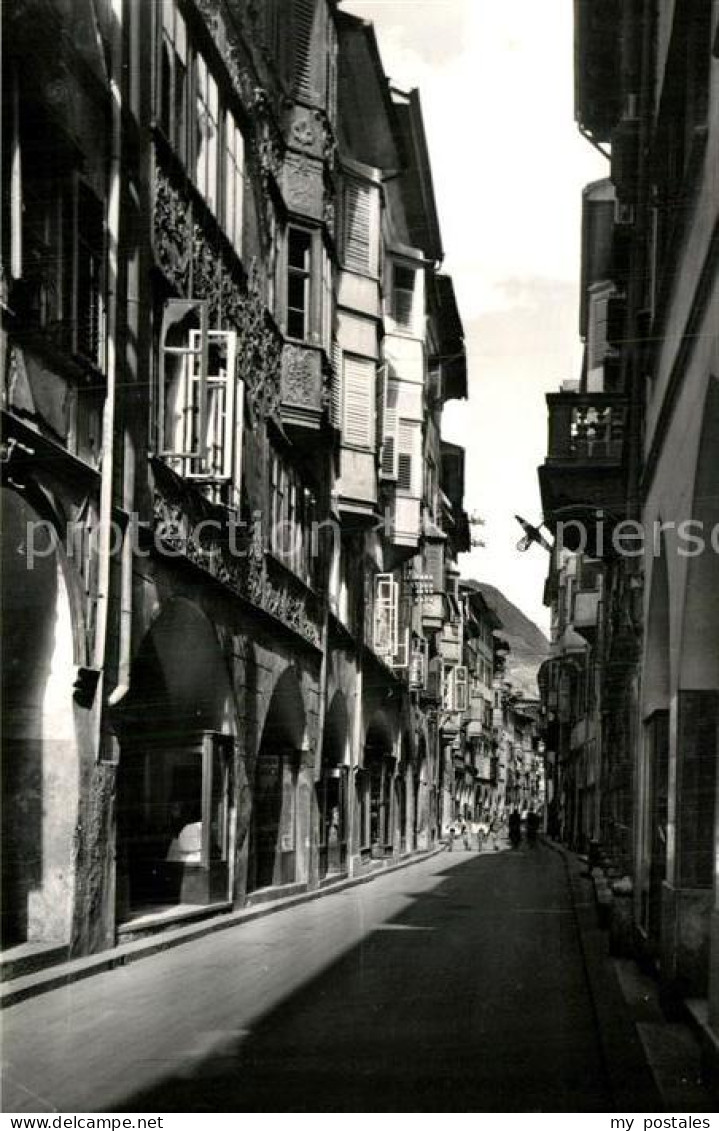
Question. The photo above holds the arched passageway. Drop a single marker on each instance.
(176, 778)
(40, 762)
(274, 834)
(376, 786)
(654, 797)
(332, 792)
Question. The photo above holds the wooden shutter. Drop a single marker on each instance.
(336, 388)
(385, 615)
(389, 423)
(597, 337)
(406, 469)
(303, 19)
(434, 564)
(358, 379)
(359, 227)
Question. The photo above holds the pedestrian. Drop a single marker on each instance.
(465, 836)
(452, 834)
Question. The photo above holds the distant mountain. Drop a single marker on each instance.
(529, 646)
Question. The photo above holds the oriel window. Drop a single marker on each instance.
(299, 270)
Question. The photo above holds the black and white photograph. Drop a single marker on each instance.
(360, 562)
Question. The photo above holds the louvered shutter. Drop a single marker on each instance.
(336, 390)
(434, 564)
(359, 227)
(405, 458)
(358, 379)
(597, 338)
(389, 423)
(303, 18)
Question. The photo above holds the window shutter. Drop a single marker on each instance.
(336, 389)
(358, 378)
(460, 688)
(447, 688)
(389, 425)
(405, 457)
(418, 665)
(193, 355)
(385, 615)
(597, 337)
(360, 227)
(303, 18)
(434, 564)
(402, 655)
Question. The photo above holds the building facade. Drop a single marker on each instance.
(233, 627)
(632, 457)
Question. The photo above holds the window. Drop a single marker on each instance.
(292, 507)
(454, 688)
(403, 291)
(206, 132)
(299, 267)
(418, 664)
(234, 181)
(360, 227)
(63, 251)
(386, 602)
(359, 375)
(172, 100)
(200, 401)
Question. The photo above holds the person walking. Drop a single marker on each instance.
(465, 836)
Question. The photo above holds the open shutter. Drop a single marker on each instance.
(359, 401)
(390, 425)
(418, 665)
(447, 688)
(190, 350)
(385, 615)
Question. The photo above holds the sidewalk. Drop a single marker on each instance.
(74, 970)
(653, 1064)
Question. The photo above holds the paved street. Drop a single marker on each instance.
(453, 985)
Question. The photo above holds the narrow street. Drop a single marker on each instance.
(453, 985)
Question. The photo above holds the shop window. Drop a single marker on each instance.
(173, 80)
(176, 821)
(299, 277)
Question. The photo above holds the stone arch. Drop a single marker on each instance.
(332, 789)
(42, 640)
(176, 780)
(654, 769)
(274, 830)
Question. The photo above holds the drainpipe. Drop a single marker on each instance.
(108, 429)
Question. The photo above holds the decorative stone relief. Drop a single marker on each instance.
(303, 185)
(239, 563)
(301, 378)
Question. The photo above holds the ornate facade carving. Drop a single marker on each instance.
(237, 560)
(205, 269)
(301, 377)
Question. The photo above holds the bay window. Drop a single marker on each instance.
(299, 276)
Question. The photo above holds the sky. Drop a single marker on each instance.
(508, 163)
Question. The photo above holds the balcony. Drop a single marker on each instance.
(584, 469)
